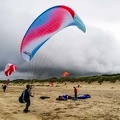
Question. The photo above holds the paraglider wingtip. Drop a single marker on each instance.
(84, 30)
(79, 23)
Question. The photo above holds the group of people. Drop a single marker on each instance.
(27, 94)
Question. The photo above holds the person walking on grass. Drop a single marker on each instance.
(27, 95)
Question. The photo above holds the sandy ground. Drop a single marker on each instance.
(104, 103)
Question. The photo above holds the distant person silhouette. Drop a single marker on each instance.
(4, 87)
(75, 92)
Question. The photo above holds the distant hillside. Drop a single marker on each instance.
(88, 79)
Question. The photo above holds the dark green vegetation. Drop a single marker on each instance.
(88, 79)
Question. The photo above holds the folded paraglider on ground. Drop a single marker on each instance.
(66, 97)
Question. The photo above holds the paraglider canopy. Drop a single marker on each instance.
(65, 74)
(45, 26)
(9, 69)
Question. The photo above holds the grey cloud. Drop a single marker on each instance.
(95, 52)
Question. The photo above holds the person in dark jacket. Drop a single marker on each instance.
(27, 97)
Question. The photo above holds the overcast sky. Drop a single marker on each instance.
(95, 52)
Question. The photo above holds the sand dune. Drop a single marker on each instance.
(104, 103)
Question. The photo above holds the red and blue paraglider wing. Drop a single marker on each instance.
(45, 26)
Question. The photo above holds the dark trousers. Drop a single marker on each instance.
(4, 88)
(75, 95)
(27, 105)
